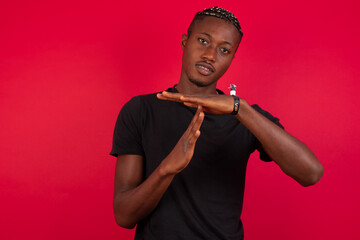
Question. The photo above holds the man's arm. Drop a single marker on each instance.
(292, 156)
(134, 198)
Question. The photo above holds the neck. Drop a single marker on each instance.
(185, 86)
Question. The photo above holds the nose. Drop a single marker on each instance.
(209, 54)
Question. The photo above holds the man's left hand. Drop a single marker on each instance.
(215, 104)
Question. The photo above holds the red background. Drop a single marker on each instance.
(67, 68)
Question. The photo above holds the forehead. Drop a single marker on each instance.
(217, 28)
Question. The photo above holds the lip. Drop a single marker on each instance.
(205, 68)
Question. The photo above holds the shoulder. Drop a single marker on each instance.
(143, 105)
(267, 114)
(260, 110)
(139, 101)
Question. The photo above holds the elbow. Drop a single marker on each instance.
(314, 175)
(123, 218)
(126, 225)
(123, 222)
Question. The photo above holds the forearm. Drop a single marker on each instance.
(132, 205)
(292, 156)
(134, 199)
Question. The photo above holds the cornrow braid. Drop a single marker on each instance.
(219, 13)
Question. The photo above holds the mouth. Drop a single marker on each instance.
(204, 68)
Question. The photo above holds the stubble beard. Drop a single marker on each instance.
(200, 83)
(197, 83)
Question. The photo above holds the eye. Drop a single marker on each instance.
(225, 50)
(203, 41)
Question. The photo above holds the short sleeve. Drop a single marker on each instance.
(127, 138)
(263, 155)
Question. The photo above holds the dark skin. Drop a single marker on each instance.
(207, 54)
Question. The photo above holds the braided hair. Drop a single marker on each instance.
(219, 13)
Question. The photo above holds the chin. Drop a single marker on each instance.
(198, 83)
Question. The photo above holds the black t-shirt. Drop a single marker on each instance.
(204, 201)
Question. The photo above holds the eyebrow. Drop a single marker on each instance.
(206, 34)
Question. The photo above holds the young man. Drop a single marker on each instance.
(182, 153)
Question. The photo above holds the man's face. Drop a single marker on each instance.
(208, 51)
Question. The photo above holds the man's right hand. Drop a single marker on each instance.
(135, 198)
(183, 151)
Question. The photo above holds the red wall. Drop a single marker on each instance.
(66, 69)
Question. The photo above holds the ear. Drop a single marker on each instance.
(184, 39)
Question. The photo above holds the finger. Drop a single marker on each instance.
(194, 119)
(193, 99)
(194, 138)
(190, 104)
(170, 95)
(195, 130)
(162, 97)
(198, 122)
(193, 105)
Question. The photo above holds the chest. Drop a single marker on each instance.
(224, 142)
